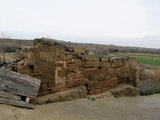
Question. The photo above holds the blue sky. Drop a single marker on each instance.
(72, 19)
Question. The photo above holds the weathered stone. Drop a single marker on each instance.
(47, 54)
(21, 63)
(95, 58)
(30, 62)
(96, 64)
(79, 50)
(24, 69)
(31, 56)
(125, 90)
(62, 73)
(89, 58)
(89, 64)
(43, 87)
(96, 87)
(104, 59)
(70, 94)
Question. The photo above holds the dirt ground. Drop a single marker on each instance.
(106, 108)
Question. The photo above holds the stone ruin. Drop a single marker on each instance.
(61, 67)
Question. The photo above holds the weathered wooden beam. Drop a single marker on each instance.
(8, 95)
(18, 89)
(16, 103)
(19, 84)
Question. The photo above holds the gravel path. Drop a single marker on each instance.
(107, 108)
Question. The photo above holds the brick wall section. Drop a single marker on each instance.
(59, 69)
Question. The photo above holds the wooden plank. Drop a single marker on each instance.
(20, 84)
(17, 89)
(9, 95)
(18, 77)
(16, 103)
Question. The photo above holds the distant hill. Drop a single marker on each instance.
(10, 45)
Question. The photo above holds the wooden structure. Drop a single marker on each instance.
(16, 88)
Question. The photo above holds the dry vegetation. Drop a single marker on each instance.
(10, 45)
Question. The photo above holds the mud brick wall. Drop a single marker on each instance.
(60, 69)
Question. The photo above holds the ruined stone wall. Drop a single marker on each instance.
(60, 69)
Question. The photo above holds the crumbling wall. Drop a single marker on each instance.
(61, 67)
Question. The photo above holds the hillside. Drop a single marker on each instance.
(10, 45)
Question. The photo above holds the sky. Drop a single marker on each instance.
(94, 21)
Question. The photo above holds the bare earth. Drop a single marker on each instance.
(107, 108)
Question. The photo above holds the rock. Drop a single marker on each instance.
(70, 94)
(125, 90)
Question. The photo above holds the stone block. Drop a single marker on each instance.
(78, 55)
(30, 62)
(95, 58)
(62, 73)
(97, 87)
(89, 64)
(119, 63)
(78, 63)
(79, 50)
(21, 63)
(108, 65)
(83, 57)
(68, 56)
(60, 81)
(101, 65)
(67, 95)
(24, 69)
(47, 54)
(43, 87)
(51, 83)
(31, 56)
(75, 79)
(58, 88)
(83, 64)
(51, 48)
(59, 64)
(96, 64)
(89, 57)
(69, 71)
(104, 59)
(113, 65)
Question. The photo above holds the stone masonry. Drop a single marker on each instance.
(61, 67)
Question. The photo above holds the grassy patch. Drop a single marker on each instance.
(149, 60)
